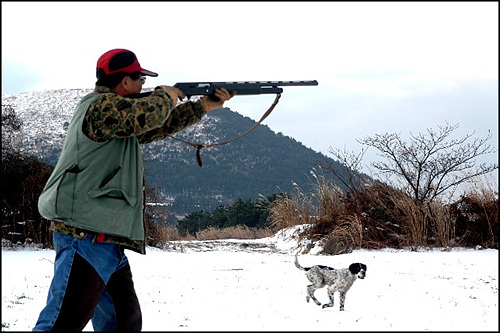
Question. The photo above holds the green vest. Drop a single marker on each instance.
(96, 186)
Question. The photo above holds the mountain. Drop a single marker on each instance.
(260, 163)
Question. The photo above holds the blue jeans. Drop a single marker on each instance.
(91, 281)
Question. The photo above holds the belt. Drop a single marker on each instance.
(98, 237)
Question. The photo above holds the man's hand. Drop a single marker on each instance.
(173, 92)
(222, 94)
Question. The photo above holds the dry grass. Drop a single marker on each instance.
(442, 223)
(345, 237)
(236, 232)
(286, 212)
(330, 196)
(160, 235)
(476, 215)
(412, 217)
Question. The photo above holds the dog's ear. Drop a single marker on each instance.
(356, 268)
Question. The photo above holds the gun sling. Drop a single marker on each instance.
(200, 146)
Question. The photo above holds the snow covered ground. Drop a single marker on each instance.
(237, 285)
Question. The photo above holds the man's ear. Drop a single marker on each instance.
(124, 82)
(122, 87)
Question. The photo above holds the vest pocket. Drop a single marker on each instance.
(109, 177)
(114, 209)
(114, 197)
(65, 196)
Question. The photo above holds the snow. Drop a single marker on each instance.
(253, 285)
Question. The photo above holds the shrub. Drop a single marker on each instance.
(476, 218)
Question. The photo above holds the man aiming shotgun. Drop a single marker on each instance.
(95, 199)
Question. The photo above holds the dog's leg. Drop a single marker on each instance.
(310, 293)
(330, 291)
(342, 300)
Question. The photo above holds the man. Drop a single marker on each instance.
(95, 195)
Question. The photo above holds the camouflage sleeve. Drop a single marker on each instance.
(184, 115)
(113, 116)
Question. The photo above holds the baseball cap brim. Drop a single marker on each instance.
(148, 73)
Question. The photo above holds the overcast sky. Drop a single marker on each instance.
(382, 67)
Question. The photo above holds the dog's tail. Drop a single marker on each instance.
(297, 263)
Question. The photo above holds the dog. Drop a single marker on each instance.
(339, 280)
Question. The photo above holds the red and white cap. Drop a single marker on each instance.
(120, 60)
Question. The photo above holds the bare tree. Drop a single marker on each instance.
(431, 164)
(350, 176)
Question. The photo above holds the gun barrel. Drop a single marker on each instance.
(201, 85)
(241, 87)
(281, 83)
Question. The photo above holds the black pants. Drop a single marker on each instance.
(84, 291)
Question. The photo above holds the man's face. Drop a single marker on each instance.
(135, 86)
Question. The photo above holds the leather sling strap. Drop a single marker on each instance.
(200, 146)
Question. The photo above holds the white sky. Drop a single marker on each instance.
(382, 67)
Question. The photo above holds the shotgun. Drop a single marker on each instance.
(240, 87)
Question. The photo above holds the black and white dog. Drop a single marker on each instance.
(339, 280)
